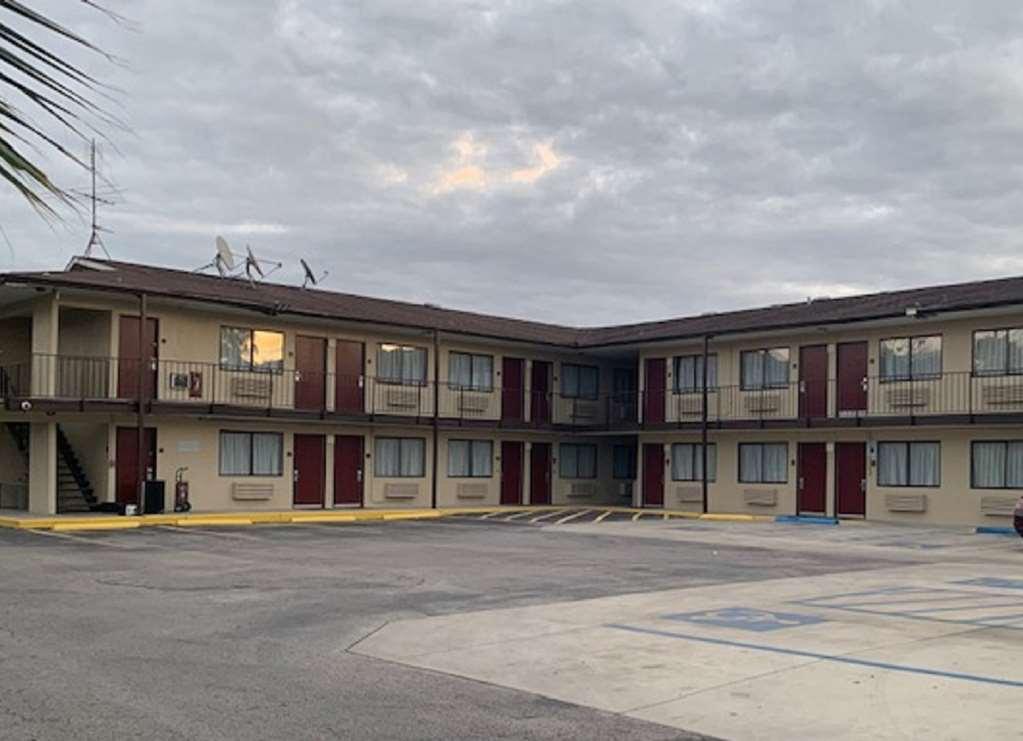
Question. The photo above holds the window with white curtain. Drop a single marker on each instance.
(470, 372)
(400, 457)
(578, 461)
(401, 364)
(909, 464)
(251, 453)
(998, 352)
(997, 464)
(579, 381)
(470, 458)
(689, 373)
(687, 462)
(624, 462)
(256, 350)
(764, 369)
(910, 358)
(763, 463)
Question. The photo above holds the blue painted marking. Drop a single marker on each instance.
(823, 657)
(992, 530)
(993, 581)
(801, 520)
(747, 618)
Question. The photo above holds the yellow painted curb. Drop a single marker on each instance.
(124, 523)
(736, 518)
(207, 521)
(412, 515)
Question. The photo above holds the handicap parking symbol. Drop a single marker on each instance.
(747, 618)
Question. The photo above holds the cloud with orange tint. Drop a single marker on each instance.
(467, 168)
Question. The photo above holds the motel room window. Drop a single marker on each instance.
(251, 453)
(471, 372)
(764, 369)
(401, 364)
(624, 464)
(400, 457)
(687, 462)
(254, 350)
(689, 373)
(578, 461)
(470, 459)
(909, 464)
(997, 464)
(763, 463)
(579, 381)
(998, 352)
(910, 358)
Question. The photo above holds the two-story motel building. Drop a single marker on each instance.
(901, 406)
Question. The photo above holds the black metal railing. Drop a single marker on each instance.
(193, 383)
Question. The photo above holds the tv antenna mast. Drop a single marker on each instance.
(94, 199)
(310, 276)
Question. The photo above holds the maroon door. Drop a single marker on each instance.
(348, 456)
(811, 497)
(654, 389)
(851, 479)
(512, 389)
(128, 364)
(350, 363)
(309, 471)
(653, 475)
(540, 473)
(813, 381)
(540, 392)
(127, 462)
(852, 377)
(310, 372)
(511, 472)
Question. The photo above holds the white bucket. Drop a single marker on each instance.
(131, 509)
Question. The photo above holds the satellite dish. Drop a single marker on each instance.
(251, 263)
(309, 277)
(224, 254)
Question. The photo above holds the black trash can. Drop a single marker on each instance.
(155, 494)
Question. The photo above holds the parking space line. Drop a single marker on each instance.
(80, 539)
(604, 516)
(519, 515)
(211, 533)
(546, 515)
(841, 659)
(573, 516)
(636, 516)
(488, 515)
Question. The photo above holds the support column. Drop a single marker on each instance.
(527, 468)
(42, 472)
(829, 497)
(331, 378)
(45, 345)
(328, 477)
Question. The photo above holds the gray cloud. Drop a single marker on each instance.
(583, 162)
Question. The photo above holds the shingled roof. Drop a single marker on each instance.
(273, 298)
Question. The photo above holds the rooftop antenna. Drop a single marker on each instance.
(252, 265)
(310, 277)
(223, 260)
(94, 199)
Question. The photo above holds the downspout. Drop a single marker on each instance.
(703, 428)
(141, 416)
(436, 415)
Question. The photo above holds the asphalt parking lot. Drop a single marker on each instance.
(457, 628)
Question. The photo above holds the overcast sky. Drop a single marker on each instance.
(577, 162)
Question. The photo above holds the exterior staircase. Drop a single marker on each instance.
(74, 490)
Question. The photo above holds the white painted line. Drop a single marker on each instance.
(488, 515)
(544, 516)
(603, 516)
(517, 515)
(213, 533)
(637, 516)
(78, 538)
(573, 516)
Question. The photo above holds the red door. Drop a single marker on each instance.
(540, 392)
(348, 456)
(654, 391)
(127, 462)
(653, 475)
(350, 363)
(512, 388)
(128, 364)
(813, 381)
(511, 472)
(852, 377)
(811, 497)
(851, 479)
(540, 473)
(310, 372)
(309, 472)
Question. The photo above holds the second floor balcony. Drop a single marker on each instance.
(210, 388)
